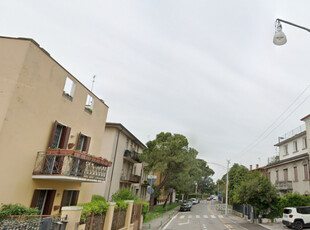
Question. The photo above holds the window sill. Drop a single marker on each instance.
(296, 151)
(68, 96)
(88, 110)
(285, 155)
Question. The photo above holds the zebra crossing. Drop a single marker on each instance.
(200, 216)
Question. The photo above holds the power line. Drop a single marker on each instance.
(262, 137)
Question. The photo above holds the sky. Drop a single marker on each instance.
(205, 69)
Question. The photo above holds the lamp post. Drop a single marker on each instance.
(279, 37)
(226, 203)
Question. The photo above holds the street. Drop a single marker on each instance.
(204, 216)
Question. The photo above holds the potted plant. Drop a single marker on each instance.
(71, 145)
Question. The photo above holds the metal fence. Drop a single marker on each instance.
(33, 223)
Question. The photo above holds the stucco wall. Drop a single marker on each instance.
(32, 85)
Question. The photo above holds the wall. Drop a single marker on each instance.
(33, 99)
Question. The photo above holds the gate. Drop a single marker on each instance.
(136, 216)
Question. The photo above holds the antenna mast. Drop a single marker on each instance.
(92, 85)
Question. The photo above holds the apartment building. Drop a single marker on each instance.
(290, 171)
(123, 149)
(51, 131)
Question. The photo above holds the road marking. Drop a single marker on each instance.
(205, 216)
(220, 216)
(170, 221)
(197, 216)
(204, 226)
(181, 217)
(189, 216)
(212, 216)
(185, 222)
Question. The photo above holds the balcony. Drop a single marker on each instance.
(130, 178)
(132, 156)
(284, 185)
(69, 165)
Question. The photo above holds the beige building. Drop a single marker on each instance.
(123, 148)
(290, 170)
(50, 126)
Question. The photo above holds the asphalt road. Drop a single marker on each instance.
(204, 216)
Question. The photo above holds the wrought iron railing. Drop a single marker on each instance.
(69, 163)
(132, 154)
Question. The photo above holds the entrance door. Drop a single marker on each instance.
(43, 200)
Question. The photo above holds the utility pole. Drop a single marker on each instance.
(226, 208)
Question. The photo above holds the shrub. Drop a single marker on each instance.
(124, 194)
(121, 204)
(98, 198)
(16, 209)
(97, 206)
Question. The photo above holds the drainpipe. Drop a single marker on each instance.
(119, 131)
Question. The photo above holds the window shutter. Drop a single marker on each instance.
(78, 142)
(67, 134)
(64, 198)
(87, 143)
(49, 202)
(75, 197)
(35, 198)
(52, 134)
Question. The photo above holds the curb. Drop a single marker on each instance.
(171, 217)
(265, 226)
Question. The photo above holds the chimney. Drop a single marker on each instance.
(256, 166)
(250, 167)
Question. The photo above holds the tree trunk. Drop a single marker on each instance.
(158, 188)
(166, 200)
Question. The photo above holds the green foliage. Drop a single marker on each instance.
(124, 194)
(16, 209)
(98, 198)
(121, 204)
(292, 200)
(258, 191)
(159, 211)
(98, 206)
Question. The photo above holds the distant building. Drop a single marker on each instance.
(290, 171)
(51, 130)
(123, 149)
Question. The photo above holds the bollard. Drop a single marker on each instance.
(149, 226)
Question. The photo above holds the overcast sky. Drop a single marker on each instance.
(205, 69)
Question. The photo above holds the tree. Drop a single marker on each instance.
(258, 191)
(167, 154)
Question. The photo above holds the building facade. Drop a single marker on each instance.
(51, 130)
(289, 172)
(123, 149)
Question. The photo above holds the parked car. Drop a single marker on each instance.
(186, 206)
(209, 198)
(296, 217)
(195, 201)
(190, 201)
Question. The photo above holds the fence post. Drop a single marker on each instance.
(73, 214)
(128, 214)
(109, 217)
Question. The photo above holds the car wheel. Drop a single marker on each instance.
(299, 225)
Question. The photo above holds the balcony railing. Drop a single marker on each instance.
(284, 185)
(130, 178)
(132, 155)
(69, 165)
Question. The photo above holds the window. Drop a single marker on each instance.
(304, 143)
(295, 174)
(70, 198)
(295, 146)
(285, 174)
(89, 106)
(83, 143)
(277, 175)
(285, 150)
(60, 136)
(43, 200)
(69, 89)
(306, 172)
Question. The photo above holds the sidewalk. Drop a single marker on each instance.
(274, 226)
(160, 222)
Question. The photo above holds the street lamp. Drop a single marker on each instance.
(226, 202)
(279, 37)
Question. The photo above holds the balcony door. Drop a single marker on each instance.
(43, 200)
